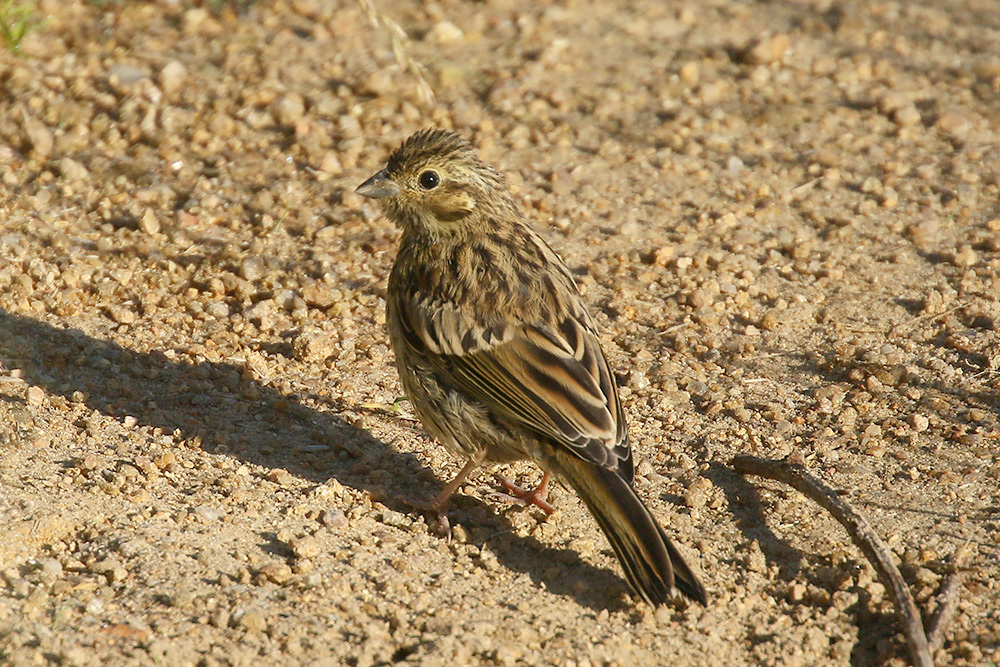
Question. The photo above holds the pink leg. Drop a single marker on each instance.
(439, 505)
(535, 497)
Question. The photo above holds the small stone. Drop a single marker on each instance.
(262, 314)
(149, 223)
(38, 134)
(925, 234)
(955, 123)
(50, 566)
(695, 497)
(35, 396)
(288, 109)
(768, 50)
(172, 77)
(284, 299)
(908, 116)
(217, 309)
(331, 164)
(121, 314)
(278, 573)
(252, 268)
(281, 476)
(872, 186)
(208, 514)
(445, 32)
(199, 21)
(927, 577)
(893, 100)
(72, 170)
(312, 346)
(253, 621)
(689, 73)
(919, 422)
(333, 519)
(165, 461)
(304, 547)
(965, 258)
(124, 75)
(741, 414)
(875, 451)
(319, 295)
(183, 599)
(663, 255)
(379, 83)
(797, 593)
(699, 298)
(843, 600)
(890, 199)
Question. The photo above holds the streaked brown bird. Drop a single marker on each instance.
(498, 354)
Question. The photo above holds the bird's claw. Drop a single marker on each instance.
(515, 494)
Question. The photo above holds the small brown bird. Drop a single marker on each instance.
(498, 354)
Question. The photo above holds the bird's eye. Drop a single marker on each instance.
(429, 180)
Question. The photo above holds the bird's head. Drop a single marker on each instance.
(436, 184)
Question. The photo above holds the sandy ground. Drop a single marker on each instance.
(784, 216)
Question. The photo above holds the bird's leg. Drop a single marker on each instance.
(438, 507)
(536, 496)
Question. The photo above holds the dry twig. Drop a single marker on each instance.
(947, 601)
(862, 534)
(399, 39)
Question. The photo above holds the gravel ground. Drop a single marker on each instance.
(784, 216)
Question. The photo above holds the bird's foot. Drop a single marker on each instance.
(436, 514)
(515, 494)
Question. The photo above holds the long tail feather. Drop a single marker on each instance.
(652, 565)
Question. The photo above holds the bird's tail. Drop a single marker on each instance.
(652, 565)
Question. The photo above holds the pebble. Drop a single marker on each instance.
(278, 573)
(207, 513)
(149, 223)
(965, 257)
(925, 234)
(954, 123)
(253, 621)
(50, 566)
(304, 547)
(445, 32)
(689, 72)
(172, 78)
(38, 134)
(335, 519)
(35, 396)
(768, 50)
(281, 476)
(288, 109)
(907, 116)
(72, 170)
(217, 309)
(252, 268)
(124, 75)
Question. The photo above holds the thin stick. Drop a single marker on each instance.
(926, 316)
(947, 602)
(861, 533)
(399, 38)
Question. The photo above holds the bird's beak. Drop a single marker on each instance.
(378, 186)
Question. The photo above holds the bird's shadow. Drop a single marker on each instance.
(200, 401)
(747, 508)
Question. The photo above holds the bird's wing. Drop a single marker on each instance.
(552, 378)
